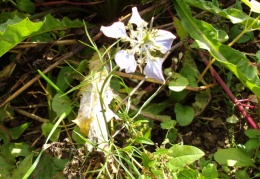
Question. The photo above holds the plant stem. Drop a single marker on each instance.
(230, 94)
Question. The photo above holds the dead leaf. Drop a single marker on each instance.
(91, 120)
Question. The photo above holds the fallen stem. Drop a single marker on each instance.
(230, 94)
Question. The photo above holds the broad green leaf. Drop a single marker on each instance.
(49, 167)
(232, 119)
(26, 6)
(146, 161)
(188, 174)
(64, 79)
(207, 38)
(156, 108)
(252, 144)
(143, 140)
(5, 16)
(201, 101)
(253, 4)
(16, 30)
(183, 155)
(178, 82)
(233, 157)
(210, 172)
(17, 131)
(243, 174)
(179, 28)
(258, 56)
(168, 124)
(19, 149)
(5, 167)
(184, 114)
(61, 104)
(252, 133)
(46, 129)
(236, 30)
(235, 15)
(24, 166)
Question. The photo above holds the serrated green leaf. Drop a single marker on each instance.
(183, 155)
(206, 36)
(184, 114)
(233, 157)
(16, 30)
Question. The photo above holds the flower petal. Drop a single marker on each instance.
(116, 30)
(153, 69)
(136, 18)
(163, 39)
(125, 61)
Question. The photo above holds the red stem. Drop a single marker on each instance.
(230, 94)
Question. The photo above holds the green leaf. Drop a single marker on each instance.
(49, 167)
(61, 104)
(146, 161)
(252, 144)
(210, 172)
(26, 6)
(24, 166)
(178, 82)
(179, 28)
(242, 174)
(19, 149)
(235, 15)
(202, 99)
(252, 133)
(168, 124)
(207, 38)
(143, 140)
(16, 30)
(184, 114)
(233, 157)
(188, 174)
(236, 30)
(183, 155)
(46, 129)
(5, 167)
(254, 5)
(232, 119)
(64, 79)
(17, 131)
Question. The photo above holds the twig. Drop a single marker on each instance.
(75, 50)
(32, 116)
(230, 94)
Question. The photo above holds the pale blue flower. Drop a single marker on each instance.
(143, 42)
